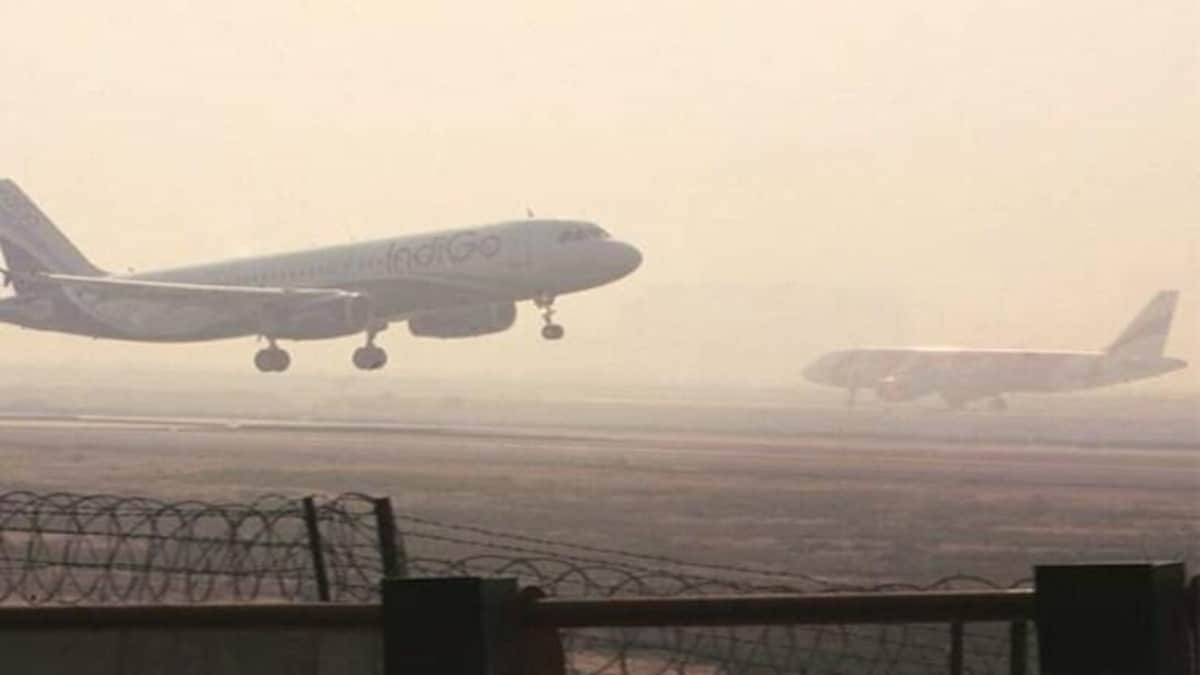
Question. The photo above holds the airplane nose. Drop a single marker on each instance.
(625, 257)
(633, 257)
(812, 372)
(819, 370)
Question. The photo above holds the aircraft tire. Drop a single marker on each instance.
(272, 360)
(369, 358)
(552, 331)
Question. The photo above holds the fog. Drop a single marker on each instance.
(799, 177)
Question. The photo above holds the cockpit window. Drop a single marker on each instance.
(582, 233)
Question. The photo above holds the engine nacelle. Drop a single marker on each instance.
(325, 318)
(464, 322)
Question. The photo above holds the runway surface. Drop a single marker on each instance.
(851, 507)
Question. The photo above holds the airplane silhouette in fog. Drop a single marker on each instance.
(449, 284)
(960, 376)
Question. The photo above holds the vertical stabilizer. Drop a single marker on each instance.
(1147, 334)
(31, 243)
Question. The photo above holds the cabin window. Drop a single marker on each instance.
(582, 233)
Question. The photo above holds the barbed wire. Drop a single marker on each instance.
(70, 549)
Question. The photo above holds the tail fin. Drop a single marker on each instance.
(31, 243)
(1147, 334)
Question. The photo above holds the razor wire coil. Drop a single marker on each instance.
(69, 549)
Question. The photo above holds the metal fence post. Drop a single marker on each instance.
(391, 545)
(1193, 618)
(956, 648)
(314, 544)
(451, 626)
(1127, 618)
(1018, 648)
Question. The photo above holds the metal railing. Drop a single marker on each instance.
(86, 550)
(785, 609)
(535, 612)
(532, 621)
(955, 608)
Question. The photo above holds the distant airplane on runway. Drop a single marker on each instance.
(451, 284)
(960, 376)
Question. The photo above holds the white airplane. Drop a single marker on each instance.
(963, 375)
(450, 284)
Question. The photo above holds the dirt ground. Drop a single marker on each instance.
(852, 510)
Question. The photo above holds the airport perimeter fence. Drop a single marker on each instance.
(71, 549)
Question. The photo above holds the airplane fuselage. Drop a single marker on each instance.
(961, 375)
(402, 276)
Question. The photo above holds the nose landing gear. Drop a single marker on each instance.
(550, 331)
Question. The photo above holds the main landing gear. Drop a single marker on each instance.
(998, 404)
(551, 330)
(370, 356)
(272, 359)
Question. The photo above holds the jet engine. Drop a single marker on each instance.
(325, 318)
(465, 321)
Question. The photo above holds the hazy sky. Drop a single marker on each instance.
(800, 176)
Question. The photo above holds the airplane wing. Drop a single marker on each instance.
(154, 310)
(227, 297)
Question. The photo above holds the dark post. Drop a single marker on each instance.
(1018, 648)
(458, 626)
(391, 548)
(956, 648)
(539, 649)
(1111, 619)
(314, 545)
(1193, 618)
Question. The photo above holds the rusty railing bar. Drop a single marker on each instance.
(176, 617)
(785, 609)
(775, 609)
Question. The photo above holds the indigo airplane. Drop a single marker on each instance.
(450, 284)
(960, 376)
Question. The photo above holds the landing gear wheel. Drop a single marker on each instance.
(272, 360)
(550, 331)
(999, 404)
(369, 357)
